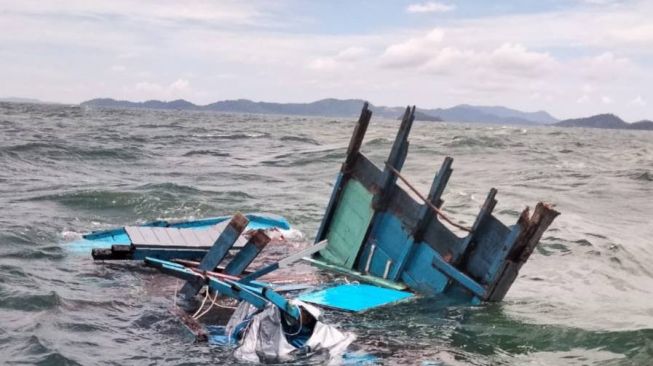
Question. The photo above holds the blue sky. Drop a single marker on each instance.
(569, 57)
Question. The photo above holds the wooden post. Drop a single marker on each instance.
(353, 150)
(531, 231)
(435, 193)
(396, 160)
(217, 252)
(486, 210)
(247, 253)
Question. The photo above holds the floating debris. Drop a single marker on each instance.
(373, 232)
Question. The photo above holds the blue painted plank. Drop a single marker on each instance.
(391, 242)
(458, 276)
(217, 252)
(106, 238)
(419, 273)
(355, 297)
(248, 253)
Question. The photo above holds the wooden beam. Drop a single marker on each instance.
(353, 151)
(531, 231)
(217, 252)
(395, 160)
(257, 241)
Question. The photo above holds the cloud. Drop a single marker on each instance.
(286, 51)
(584, 99)
(343, 57)
(179, 88)
(414, 51)
(429, 7)
(433, 54)
(606, 66)
(515, 58)
(606, 100)
(638, 101)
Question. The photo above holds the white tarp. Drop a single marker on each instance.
(265, 340)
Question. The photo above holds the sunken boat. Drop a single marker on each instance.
(390, 246)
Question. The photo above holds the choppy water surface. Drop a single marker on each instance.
(585, 297)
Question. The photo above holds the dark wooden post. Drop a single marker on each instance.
(395, 160)
(435, 193)
(353, 150)
(531, 231)
(486, 211)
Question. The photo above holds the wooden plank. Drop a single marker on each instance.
(355, 297)
(530, 232)
(285, 262)
(257, 241)
(366, 173)
(352, 152)
(391, 243)
(435, 196)
(217, 252)
(396, 159)
(355, 274)
(347, 230)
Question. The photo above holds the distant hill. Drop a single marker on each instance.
(494, 114)
(609, 121)
(340, 108)
(23, 100)
(421, 116)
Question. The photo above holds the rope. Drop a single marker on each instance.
(206, 295)
(213, 303)
(300, 323)
(434, 208)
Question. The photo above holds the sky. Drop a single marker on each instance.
(571, 58)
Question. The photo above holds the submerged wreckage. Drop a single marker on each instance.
(372, 232)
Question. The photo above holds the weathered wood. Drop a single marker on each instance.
(347, 230)
(531, 231)
(285, 262)
(257, 241)
(193, 326)
(353, 150)
(357, 137)
(460, 256)
(434, 197)
(395, 160)
(217, 252)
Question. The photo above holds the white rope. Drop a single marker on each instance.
(214, 303)
(300, 323)
(206, 295)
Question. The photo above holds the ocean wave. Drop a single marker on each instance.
(207, 152)
(60, 151)
(302, 139)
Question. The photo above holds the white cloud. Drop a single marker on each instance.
(429, 7)
(638, 101)
(82, 49)
(142, 90)
(606, 66)
(342, 58)
(515, 58)
(638, 34)
(433, 53)
(584, 99)
(414, 51)
(606, 100)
